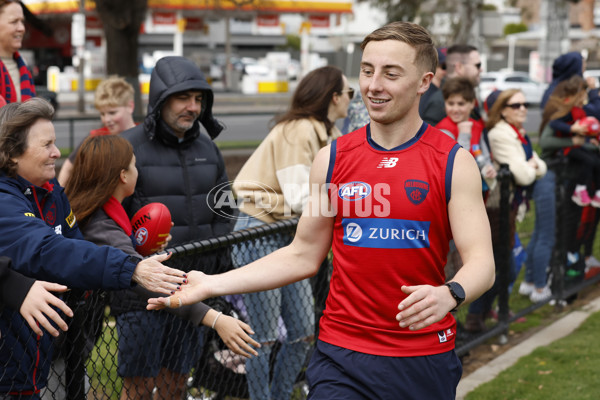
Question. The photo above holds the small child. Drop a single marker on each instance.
(459, 101)
(114, 100)
(566, 114)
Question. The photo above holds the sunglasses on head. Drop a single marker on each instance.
(350, 92)
(516, 106)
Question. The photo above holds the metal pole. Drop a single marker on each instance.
(80, 67)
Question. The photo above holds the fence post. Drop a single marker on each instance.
(503, 258)
(74, 360)
(559, 253)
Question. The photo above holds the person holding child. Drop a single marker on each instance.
(565, 112)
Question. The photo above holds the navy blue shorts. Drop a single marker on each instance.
(338, 373)
(150, 340)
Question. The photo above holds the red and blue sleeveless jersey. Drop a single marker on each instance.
(391, 229)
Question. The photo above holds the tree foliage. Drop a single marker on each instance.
(422, 12)
(514, 28)
(122, 21)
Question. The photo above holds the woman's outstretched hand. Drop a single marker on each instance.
(156, 277)
(194, 291)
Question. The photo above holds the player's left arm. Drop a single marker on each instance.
(470, 226)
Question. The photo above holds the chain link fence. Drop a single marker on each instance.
(85, 359)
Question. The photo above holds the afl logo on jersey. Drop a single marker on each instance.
(354, 191)
(416, 191)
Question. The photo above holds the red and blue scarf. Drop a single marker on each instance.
(116, 212)
(7, 88)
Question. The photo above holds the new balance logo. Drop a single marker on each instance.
(388, 162)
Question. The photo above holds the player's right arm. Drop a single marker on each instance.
(299, 260)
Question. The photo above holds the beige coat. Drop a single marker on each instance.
(273, 183)
(506, 148)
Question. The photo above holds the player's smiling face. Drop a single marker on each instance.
(389, 80)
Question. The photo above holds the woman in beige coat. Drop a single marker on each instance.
(274, 185)
(509, 144)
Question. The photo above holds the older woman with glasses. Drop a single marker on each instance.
(509, 144)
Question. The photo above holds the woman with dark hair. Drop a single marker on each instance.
(104, 173)
(281, 164)
(40, 234)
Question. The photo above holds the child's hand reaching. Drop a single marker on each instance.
(235, 334)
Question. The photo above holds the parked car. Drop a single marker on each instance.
(217, 66)
(490, 81)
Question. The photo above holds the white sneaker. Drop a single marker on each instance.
(526, 288)
(592, 262)
(538, 297)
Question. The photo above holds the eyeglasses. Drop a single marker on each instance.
(478, 65)
(350, 92)
(516, 106)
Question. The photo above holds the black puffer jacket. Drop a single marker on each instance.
(179, 174)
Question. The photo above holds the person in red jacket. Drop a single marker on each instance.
(459, 101)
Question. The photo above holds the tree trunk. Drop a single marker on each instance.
(122, 21)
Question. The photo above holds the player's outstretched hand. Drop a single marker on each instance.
(194, 291)
(236, 335)
(425, 305)
(37, 307)
(156, 277)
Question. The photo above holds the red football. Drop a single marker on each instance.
(151, 227)
(592, 124)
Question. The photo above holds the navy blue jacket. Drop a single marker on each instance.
(39, 232)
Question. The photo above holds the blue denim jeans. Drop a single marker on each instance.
(539, 249)
(293, 303)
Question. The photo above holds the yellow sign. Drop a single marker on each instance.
(281, 6)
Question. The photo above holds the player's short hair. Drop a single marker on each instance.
(412, 34)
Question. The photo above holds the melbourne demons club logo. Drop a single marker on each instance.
(416, 190)
(50, 216)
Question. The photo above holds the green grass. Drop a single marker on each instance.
(566, 369)
(240, 144)
(102, 364)
(563, 370)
